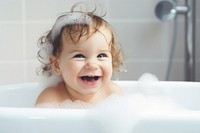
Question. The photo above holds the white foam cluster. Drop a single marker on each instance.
(71, 18)
(148, 77)
(146, 84)
(123, 69)
(119, 114)
(67, 104)
(46, 51)
(49, 81)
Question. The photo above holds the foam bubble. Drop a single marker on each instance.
(67, 104)
(120, 113)
(148, 77)
(49, 81)
(46, 51)
(71, 18)
(117, 114)
(147, 85)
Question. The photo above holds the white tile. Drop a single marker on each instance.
(40, 10)
(48, 9)
(11, 42)
(136, 69)
(34, 32)
(43, 10)
(12, 72)
(32, 67)
(143, 40)
(10, 10)
(146, 40)
(133, 9)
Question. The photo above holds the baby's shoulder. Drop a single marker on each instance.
(51, 94)
(115, 88)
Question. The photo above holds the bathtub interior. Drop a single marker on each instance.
(28, 119)
(185, 93)
(19, 95)
(24, 95)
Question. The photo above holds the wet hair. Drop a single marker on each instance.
(51, 43)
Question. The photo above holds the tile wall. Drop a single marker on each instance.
(145, 40)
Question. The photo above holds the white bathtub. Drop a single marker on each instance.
(18, 115)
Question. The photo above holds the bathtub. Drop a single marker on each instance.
(18, 115)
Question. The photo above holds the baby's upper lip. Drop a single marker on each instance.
(90, 75)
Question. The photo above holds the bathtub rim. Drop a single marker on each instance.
(121, 83)
(54, 113)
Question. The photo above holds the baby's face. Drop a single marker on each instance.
(86, 67)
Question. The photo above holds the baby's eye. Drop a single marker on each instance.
(101, 55)
(79, 56)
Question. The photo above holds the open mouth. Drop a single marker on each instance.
(90, 78)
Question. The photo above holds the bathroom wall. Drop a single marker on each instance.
(145, 40)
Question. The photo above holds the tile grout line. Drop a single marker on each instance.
(24, 32)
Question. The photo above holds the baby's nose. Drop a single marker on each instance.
(91, 64)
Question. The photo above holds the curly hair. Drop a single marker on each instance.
(52, 44)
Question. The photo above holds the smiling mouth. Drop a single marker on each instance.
(90, 78)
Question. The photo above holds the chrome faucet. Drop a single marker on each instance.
(167, 10)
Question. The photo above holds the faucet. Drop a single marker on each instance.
(167, 10)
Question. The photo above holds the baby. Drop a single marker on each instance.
(81, 49)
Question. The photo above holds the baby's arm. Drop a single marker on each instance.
(51, 95)
(115, 88)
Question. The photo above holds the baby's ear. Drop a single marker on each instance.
(55, 65)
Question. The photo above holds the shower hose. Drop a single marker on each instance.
(172, 49)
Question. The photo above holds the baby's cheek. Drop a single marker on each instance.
(74, 66)
(69, 67)
(108, 67)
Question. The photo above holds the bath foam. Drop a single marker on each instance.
(46, 50)
(120, 113)
(69, 19)
(49, 81)
(67, 104)
(63, 120)
(117, 113)
(147, 97)
(146, 85)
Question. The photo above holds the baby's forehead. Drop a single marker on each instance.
(81, 36)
